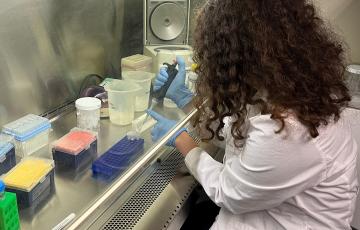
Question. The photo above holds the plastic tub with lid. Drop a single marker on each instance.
(143, 79)
(353, 78)
(88, 113)
(7, 154)
(30, 133)
(117, 158)
(75, 149)
(137, 62)
(32, 179)
(353, 83)
(121, 98)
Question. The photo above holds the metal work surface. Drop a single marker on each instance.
(77, 192)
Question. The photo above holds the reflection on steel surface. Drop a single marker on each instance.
(48, 46)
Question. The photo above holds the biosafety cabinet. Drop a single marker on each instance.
(53, 49)
(50, 52)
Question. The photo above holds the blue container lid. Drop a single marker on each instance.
(5, 147)
(27, 127)
(2, 186)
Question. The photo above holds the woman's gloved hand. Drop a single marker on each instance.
(177, 91)
(162, 127)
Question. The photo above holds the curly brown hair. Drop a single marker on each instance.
(279, 48)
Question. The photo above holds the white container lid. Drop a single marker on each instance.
(355, 69)
(136, 61)
(88, 103)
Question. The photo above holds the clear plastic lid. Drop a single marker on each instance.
(28, 173)
(354, 68)
(75, 141)
(27, 127)
(136, 61)
(5, 144)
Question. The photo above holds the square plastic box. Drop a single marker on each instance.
(9, 216)
(137, 62)
(75, 149)
(7, 154)
(117, 158)
(30, 180)
(30, 132)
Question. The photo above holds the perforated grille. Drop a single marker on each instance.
(139, 203)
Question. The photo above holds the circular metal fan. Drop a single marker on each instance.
(168, 21)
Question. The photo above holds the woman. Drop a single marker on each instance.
(293, 166)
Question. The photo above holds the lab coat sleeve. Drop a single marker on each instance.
(267, 172)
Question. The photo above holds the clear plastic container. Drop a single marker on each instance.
(75, 149)
(7, 154)
(353, 78)
(30, 132)
(122, 96)
(32, 179)
(137, 62)
(144, 80)
(353, 83)
(143, 123)
(117, 158)
(88, 113)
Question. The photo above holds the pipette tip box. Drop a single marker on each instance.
(30, 133)
(7, 154)
(75, 149)
(117, 158)
(31, 180)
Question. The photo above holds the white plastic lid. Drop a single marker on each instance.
(355, 69)
(88, 103)
(136, 61)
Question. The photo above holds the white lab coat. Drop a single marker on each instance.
(282, 181)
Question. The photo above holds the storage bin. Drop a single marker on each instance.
(137, 62)
(117, 158)
(7, 154)
(30, 180)
(30, 132)
(75, 149)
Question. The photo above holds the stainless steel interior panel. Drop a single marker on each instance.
(47, 47)
(195, 5)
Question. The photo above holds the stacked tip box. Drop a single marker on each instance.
(75, 149)
(117, 158)
(32, 180)
(30, 132)
(7, 154)
(9, 216)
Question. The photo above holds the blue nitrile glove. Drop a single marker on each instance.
(177, 91)
(162, 127)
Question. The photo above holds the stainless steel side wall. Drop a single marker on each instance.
(47, 47)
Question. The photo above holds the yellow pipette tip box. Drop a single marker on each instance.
(29, 179)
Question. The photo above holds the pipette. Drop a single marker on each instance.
(157, 96)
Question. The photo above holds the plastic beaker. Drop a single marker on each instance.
(88, 113)
(143, 79)
(121, 97)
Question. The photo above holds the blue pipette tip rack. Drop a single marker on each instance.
(117, 158)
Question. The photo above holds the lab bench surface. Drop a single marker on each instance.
(75, 192)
